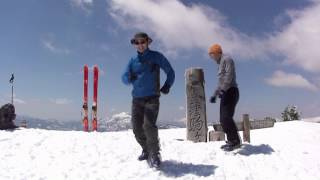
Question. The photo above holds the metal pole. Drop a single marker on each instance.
(11, 82)
(12, 93)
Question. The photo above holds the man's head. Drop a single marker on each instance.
(215, 52)
(141, 41)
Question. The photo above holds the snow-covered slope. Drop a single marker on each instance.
(314, 119)
(290, 150)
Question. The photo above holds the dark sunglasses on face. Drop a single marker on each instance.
(139, 42)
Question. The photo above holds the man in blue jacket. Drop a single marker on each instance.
(143, 72)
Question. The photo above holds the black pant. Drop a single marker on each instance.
(144, 116)
(228, 104)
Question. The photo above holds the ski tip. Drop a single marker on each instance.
(85, 67)
(96, 70)
(85, 70)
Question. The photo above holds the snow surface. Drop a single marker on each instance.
(290, 150)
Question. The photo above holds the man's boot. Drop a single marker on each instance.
(154, 160)
(144, 155)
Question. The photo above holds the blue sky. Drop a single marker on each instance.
(46, 43)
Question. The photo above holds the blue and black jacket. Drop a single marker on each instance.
(143, 72)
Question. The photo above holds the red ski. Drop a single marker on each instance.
(95, 98)
(85, 99)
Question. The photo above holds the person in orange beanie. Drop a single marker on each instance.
(227, 90)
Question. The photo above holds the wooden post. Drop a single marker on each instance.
(196, 106)
(23, 123)
(246, 128)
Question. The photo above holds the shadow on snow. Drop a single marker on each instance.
(178, 169)
(248, 149)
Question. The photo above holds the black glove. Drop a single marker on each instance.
(165, 89)
(221, 93)
(132, 77)
(213, 99)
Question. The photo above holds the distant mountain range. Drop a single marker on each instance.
(49, 124)
(117, 122)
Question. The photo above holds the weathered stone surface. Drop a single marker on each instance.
(196, 106)
(216, 136)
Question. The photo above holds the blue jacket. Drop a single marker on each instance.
(145, 68)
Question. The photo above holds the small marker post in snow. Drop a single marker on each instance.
(246, 128)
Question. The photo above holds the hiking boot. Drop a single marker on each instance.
(225, 145)
(231, 146)
(144, 155)
(154, 160)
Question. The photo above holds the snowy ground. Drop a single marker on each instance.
(290, 150)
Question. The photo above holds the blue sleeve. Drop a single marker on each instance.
(167, 68)
(126, 74)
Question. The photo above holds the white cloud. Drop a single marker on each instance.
(80, 2)
(19, 101)
(48, 44)
(181, 108)
(83, 4)
(317, 81)
(179, 26)
(299, 41)
(61, 101)
(282, 79)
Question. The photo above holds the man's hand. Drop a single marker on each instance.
(213, 99)
(132, 77)
(219, 93)
(165, 89)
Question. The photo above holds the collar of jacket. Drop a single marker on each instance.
(143, 53)
(219, 60)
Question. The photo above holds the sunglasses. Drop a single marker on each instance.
(139, 42)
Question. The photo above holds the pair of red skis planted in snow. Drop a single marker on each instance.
(85, 120)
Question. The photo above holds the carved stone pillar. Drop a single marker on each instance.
(197, 128)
